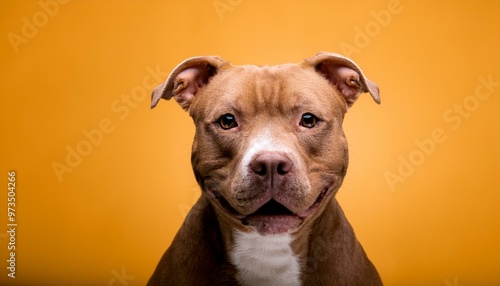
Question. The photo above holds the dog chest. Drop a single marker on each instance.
(265, 260)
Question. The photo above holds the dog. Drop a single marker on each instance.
(269, 154)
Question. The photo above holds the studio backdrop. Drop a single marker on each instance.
(94, 184)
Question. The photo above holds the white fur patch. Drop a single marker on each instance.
(265, 260)
(263, 142)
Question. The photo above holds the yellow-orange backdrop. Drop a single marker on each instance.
(103, 182)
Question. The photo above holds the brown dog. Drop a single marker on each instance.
(269, 154)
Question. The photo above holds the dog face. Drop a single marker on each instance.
(269, 149)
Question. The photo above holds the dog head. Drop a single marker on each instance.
(269, 150)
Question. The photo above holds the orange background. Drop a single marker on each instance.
(423, 188)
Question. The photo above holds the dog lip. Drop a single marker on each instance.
(225, 204)
(263, 219)
(316, 203)
(271, 217)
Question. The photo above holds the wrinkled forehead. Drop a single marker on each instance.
(278, 89)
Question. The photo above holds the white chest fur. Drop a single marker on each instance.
(265, 260)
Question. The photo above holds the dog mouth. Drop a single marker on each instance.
(272, 217)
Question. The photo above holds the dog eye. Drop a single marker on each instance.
(308, 120)
(227, 121)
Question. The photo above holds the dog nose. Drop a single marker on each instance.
(271, 164)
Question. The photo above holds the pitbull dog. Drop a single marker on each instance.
(269, 154)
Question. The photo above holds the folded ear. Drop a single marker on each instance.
(187, 79)
(345, 75)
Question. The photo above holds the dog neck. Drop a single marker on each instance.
(265, 260)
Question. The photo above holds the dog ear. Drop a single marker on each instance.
(187, 79)
(345, 75)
